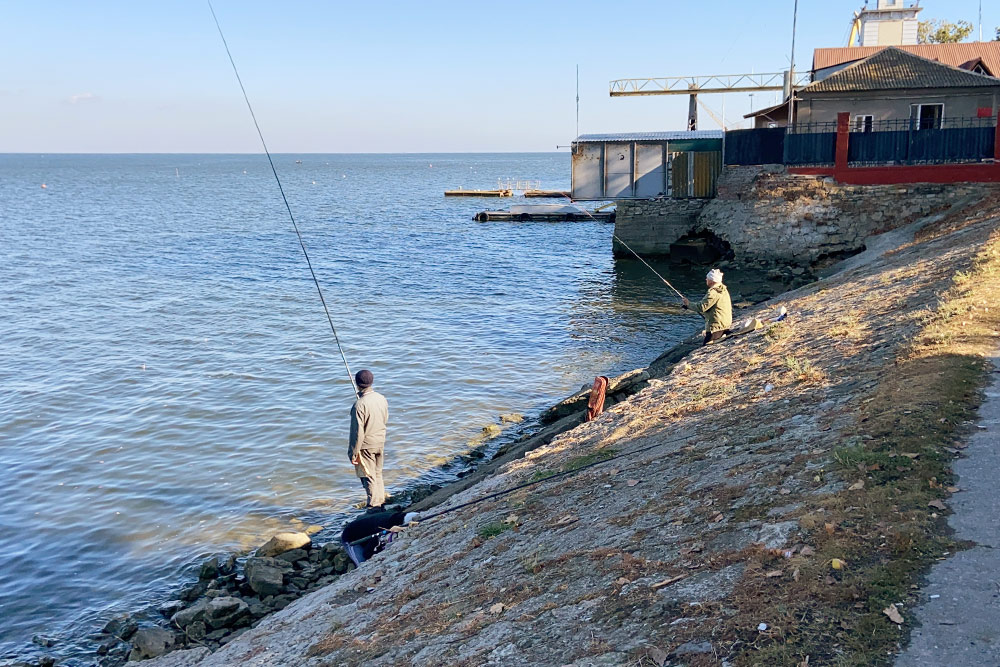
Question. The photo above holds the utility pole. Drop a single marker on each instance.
(791, 71)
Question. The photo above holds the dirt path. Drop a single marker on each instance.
(960, 618)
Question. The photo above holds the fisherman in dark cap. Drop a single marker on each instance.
(369, 416)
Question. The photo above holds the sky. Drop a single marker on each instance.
(386, 77)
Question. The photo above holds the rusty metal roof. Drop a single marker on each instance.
(961, 54)
(893, 68)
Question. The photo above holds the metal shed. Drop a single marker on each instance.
(641, 165)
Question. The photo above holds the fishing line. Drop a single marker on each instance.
(565, 473)
(637, 256)
(283, 197)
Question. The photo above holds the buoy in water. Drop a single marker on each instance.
(44, 186)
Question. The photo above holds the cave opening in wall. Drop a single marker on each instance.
(701, 247)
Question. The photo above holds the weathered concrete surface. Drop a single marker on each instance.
(961, 625)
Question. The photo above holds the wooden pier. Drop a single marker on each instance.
(478, 193)
(552, 216)
(548, 194)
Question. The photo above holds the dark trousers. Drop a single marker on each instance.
(714, 336)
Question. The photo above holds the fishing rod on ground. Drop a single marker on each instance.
(284, 198)
(421, 518)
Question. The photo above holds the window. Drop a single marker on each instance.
(863, 123)
(926, 116)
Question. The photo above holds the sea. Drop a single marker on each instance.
(170, 387)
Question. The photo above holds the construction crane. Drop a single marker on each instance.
(719, 83)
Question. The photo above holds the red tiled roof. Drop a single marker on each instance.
(957, 55)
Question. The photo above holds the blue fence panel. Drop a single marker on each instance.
(810, 148)
(878, 147)
(758, 146)
(970, 143)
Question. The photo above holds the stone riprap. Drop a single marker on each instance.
(713, 469)
(770, 217)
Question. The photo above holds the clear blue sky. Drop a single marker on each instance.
(136, 76)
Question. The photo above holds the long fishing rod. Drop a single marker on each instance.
(637, 255)
(283, 197)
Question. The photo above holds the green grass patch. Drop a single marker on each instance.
(578, 462)
(493, 528)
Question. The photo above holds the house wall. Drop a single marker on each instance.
(960, 103)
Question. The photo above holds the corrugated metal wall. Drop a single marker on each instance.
(695, 174)
(642, 170)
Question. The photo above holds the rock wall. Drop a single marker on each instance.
(649, 226)
(769, 216)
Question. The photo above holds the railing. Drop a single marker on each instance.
(518, 184)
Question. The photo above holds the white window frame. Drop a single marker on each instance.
(919, 108)
(863, 123)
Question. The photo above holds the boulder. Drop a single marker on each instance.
(209, 569)
(170, 608)
(283, 542)
(227, 612)
(186, 617)
(122, 627)
(265, 576)
(293, 555)
(150, 643)
(196, 630)
(229, 565)
(340, 562)
(258, 609)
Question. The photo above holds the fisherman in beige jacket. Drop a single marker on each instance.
(369, 416)
(716, 308)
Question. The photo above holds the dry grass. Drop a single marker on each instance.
(885, 532)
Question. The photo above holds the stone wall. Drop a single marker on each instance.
(649, 226)
(772, 217)
(768, 215)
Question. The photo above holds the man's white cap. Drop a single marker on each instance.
(715, 276)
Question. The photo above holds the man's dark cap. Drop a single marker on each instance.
(364, 379)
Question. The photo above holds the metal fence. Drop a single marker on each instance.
(870, 142)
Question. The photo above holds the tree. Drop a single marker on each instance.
(998, 35)
(937, 31)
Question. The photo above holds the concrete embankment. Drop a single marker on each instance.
(772, 499)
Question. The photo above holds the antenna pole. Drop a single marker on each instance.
(791, 70)
(578, 97)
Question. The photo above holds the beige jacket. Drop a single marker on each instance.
(369, 415)
(716, 308)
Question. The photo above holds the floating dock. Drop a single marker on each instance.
(478, 193)
(544, 216)
(548, 194)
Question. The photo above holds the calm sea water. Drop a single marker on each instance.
(170, 389)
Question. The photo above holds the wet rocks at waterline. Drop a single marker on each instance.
(227, 599)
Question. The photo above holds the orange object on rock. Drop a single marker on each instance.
(595, 404)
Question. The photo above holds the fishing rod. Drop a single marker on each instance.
(283, 197)
(637, 256)
(421, 517)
